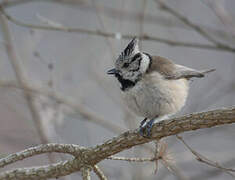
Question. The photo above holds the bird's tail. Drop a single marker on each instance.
(207, 71)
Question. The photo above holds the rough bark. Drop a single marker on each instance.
(91, 156)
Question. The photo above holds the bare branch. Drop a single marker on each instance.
(85, 112)
(173, 169)
(23, 81)
(86, 173)
(141, 22)
(41, 149)
(146, 37)
(162, 129)
(102, 24)
(14, 3)
(60, 169)
(218, 8)
(133, 16)
(133, 159)
(204, 159)
(99, 173)
(197, 28)
(91, 156)
(167, 160)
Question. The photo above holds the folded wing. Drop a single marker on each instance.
(174, 71)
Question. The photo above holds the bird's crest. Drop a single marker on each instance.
(131, 49)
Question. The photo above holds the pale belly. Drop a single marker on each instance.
(157, 99)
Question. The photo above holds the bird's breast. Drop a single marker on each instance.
(154, 96)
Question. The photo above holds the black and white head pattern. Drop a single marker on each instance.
(131, 64)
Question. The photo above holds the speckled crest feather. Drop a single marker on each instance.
(129, 50)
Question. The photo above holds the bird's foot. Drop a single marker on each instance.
(142, 126)
(149, 126)
(145, 128)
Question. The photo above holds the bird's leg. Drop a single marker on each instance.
(142, 127)
(149, 126)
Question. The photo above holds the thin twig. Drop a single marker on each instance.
(23, 81)
(41, 149)
(173, 169)
(99, 172)
(102, 24)
(113, 13)
(197, 28)
(166, 159)
(205, 160)
(86, 173)
(218, 8)
(133, 159)
(85, 112)
(118, 35)
(141, 22)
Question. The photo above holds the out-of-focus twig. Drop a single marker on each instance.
(23, 81)
(126, 15)
(141, 22)
(212, 172)
(102, 24)
(218, 7)
(13, 3)
(205, 160)
(85, 112)
(160, 154)
(167, 160)
(197, 28)
(119, 35)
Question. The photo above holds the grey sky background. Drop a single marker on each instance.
(80, 62)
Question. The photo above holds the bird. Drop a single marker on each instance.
(152, 86)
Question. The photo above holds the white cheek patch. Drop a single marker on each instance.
(144, 63)
(136, 49)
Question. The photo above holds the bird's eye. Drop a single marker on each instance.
(125, 65)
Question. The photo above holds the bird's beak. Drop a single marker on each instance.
(112, 71)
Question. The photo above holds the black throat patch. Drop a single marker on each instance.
(125, 83)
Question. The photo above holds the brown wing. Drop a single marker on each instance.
(173, 71)
(162, 65)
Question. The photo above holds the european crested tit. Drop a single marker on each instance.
(152, 86)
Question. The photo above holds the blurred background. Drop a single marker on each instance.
(54, 55)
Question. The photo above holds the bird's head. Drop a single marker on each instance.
(131, 63)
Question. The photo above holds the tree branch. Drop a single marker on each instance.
(133, 159)
(129, 15)
(195, 27)
(60, 169)
(21, 77)
(205, 160)
(86, 173)
(85, 112)
(41, 149)
(146, 37)
(99, 173)
(91, 156)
